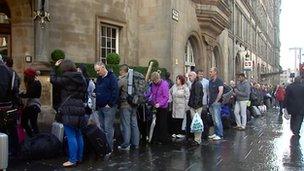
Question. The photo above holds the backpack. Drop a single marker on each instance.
(137, 86)
(227, 93)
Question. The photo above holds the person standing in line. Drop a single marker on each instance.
(71, 110)
(158, 97)
(294, 101)
(9, 99)
(33, 106)
(280, 96)
(242, 94)
(106, 100)
(179, 96)
(216, 88)
(196, 101)
(128, 117)
(205, 83)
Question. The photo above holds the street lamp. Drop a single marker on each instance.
(41, 15)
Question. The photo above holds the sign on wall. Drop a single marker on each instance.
(175, 14)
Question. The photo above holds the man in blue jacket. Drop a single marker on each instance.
(106, 99)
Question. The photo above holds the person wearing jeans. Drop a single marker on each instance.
(73, 86)
(106, 119)
(106, 100)
(130, 131)
(216, 88)
(242, 94)
(75, 143)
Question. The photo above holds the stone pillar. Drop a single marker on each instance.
(41, 35)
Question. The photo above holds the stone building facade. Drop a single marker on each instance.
(180, 34)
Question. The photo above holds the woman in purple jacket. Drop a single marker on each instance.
(158, 97)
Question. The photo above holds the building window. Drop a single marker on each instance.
(108, 42)
(189, 57)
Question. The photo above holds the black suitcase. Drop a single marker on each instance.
(97, 140)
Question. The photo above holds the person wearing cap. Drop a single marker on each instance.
(33, 106)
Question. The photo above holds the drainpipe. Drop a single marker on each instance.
(233, 44)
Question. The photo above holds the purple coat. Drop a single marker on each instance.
(158, 93)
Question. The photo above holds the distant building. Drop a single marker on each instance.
(180, 34)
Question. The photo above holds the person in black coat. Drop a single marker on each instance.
(33, 106)
(72, 110)
(196, 101)
(294, 101)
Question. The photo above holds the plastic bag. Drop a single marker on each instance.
(286, 114)
(197, 124)
(94, 119)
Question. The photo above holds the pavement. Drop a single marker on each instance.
(267, 144)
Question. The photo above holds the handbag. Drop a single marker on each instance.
(71, 112)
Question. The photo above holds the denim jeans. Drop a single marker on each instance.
(75, 143)
(106, 118)
(215, 110)
(240, 109)
(130, 131)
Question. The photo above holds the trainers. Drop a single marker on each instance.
(216, 138)
(180, 136)
(123, 148)
(211, 136)
(173, 136)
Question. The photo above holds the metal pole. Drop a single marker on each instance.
(233, 44)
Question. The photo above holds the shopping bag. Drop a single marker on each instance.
(197, 124)
(286, 114)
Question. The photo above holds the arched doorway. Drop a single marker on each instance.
(189, 57)
(5, 30)
(17, 29)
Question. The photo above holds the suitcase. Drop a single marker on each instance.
(58, 130)
(256, 111)
(3, 151)
(98, 140)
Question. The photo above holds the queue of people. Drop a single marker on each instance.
(173, 105)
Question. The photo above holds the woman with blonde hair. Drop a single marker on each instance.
(158, 97)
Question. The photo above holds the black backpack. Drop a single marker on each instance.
(227, 93)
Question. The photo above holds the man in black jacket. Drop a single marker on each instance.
(294, 103)
(8, 95)
(196, 101)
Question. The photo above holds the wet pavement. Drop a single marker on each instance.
(267, 144)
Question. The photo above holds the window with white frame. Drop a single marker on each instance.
(108, 42)
(189, 57)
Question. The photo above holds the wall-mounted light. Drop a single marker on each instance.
(41, 15)
(28, 58)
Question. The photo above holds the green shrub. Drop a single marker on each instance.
(90, 69)
(155, 63)
(57, 54)
(113, 59)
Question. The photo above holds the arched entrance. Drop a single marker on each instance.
(191, 59)
(5, 30)
(17, 29)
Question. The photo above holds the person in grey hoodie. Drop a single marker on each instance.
(242, 94)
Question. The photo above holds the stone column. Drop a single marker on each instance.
(41, 35)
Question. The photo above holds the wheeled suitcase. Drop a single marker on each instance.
(256, 111)
(58, 130)
(98, 140)
(3, 151)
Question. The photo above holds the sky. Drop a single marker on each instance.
(291, 31)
